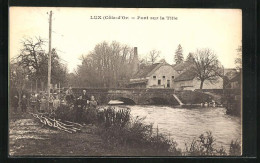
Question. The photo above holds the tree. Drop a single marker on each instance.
(190, 58)
(107, 64)
(178, 57)
(153, 56)
(206, 66)
(35, 60)
(18, 78)
(238, 60)
(31, 56)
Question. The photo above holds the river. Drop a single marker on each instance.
(183, 125)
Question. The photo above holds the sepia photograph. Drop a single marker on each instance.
(125, 82)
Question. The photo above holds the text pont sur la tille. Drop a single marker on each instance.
(136, 17)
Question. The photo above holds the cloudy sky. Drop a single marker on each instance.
(74, 32)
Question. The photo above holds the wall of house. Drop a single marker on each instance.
(165, 70)
(218, 84)
(195, 84)
(184, 85)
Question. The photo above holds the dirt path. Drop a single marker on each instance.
(27, 136)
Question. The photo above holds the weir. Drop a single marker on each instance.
(176, 97)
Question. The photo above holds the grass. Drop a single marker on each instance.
(119, 129)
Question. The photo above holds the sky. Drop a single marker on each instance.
(74, 33)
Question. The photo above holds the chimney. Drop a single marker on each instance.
(135, 61)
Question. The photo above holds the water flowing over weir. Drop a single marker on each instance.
(183, 125)
(179, 101)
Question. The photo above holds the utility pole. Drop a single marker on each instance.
(49, 61)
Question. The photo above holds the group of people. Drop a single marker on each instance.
(82, 101)
(40, 102)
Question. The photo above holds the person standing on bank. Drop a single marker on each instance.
(79, 109)
(69, 95)
(24, 103)
(92, 102)
(85, 98)
(56, 103)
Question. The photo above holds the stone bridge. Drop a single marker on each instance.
(131, 96)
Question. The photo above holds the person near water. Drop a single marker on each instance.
(44, 104)
(85, 98)
(56, 103)
(24, 103)
(92, 111)
(79, 109)
(51, 102)
(92, 102)
(69, 95)
(33, 100)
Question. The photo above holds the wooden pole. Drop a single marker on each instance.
(49, 61)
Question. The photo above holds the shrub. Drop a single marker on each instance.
(112, 117)
(121, 130)
(235, 148)
(70, 113)
(204, 146)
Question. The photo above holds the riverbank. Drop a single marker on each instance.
(110, 138)
(27, 136)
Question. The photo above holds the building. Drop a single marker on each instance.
(158, 75)
(236, 80)
(187, 79)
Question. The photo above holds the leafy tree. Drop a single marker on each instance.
(178, 57)
(190, 57)
(206, 66)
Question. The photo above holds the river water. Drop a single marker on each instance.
(183, 125)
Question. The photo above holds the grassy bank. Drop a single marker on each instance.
(119, 130)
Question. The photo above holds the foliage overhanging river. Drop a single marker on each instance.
(183, 125)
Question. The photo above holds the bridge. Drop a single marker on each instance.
(131, 96)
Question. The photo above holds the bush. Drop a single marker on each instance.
(112, 117)
(120, 130)
(204, 146)
(70, 113)
(235, 148)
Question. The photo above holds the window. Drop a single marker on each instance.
(159, 82)
(163, 77)
(168, 83)
(154, 77)
(172, 77)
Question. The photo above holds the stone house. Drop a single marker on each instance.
(235, 81)
(188, 81)
(158, 75)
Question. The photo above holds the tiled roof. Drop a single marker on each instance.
(182, 66)
(237, 77)
(187, 75)
(143, 72)
(230, 73)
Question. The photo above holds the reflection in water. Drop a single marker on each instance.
(185, 124)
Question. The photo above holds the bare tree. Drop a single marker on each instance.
(153, 56)
(31, 56)
(106, 65)
(206, 66)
